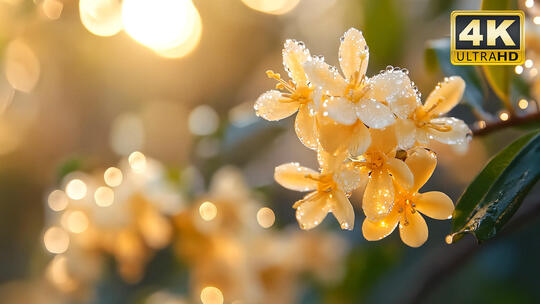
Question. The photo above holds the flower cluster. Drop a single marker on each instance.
(133, 211)
(374, 130)
(218, 245)
(123, 211)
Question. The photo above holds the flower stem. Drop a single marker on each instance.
(512, 121)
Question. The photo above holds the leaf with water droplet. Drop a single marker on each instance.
(497, 192)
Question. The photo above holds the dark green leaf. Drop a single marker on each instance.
(497, 192)
(437, 55)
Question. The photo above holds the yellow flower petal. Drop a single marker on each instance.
(306, 128)
(360, 139)
(458, 133)
(312, 210)
(295, 177)
(349, 178)
(445, 96)
(383, 140)
(322, 75)
(330, 163)
(422, 136)
(405, 133)
(434, 204)
(342, 209)
(269, 106)
(376, 230)
(422, 163)
(401, 173)
(333, 136)
(379, 196)
(396, 89)
(353, 53)
(413, 231)
(295, 54)
(374, 114)
(340, 109)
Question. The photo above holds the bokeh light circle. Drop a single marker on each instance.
(159, 24)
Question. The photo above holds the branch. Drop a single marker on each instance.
(438, 268)
(511, 122)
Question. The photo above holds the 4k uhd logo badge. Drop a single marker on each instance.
(487, 37)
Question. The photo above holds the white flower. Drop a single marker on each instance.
(276, 105)
(328, 191)
(355, 97)
(425, 123)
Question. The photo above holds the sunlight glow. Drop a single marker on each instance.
(523, 104)
(160, 24)
(208, 211)
(137, 162)
(76, 189)
(101, 17)
(274, 7)
(188, 45)
(56, 240)
(104, 196)
(76, 221)
(57, 200)
(211, 295)
(52, 8)
(113, 177)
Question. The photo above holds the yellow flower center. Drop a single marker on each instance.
(371, 160)
(356, 87)
(325, 182)
(423, 117)
(404, 202)
(300, 93)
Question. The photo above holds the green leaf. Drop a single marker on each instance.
(437, 55)
(499, 78)
(497, 192)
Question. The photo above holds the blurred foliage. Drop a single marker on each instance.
(383, 49)
(498, 4)
(500, 79)
(365, 266)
